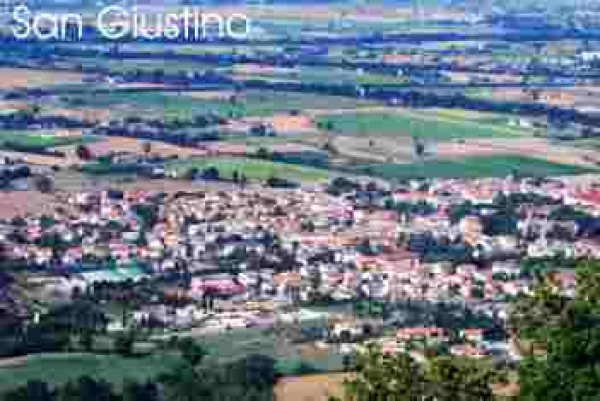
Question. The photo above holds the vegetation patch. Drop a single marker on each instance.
(174, 105)
(58, 369)
(472, 167)
(40, 140)
(439, 126)
(251, 168)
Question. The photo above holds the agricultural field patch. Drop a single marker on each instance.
(472, 167)
(541, 148)
(314, 75)
(253, 169)
(13, 78)
(181, 105)
(318, 387)
(42, 140)
(286, 123)
(60, 368)
(427, 125)
(137, 146)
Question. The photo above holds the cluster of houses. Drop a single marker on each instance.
(275, 248)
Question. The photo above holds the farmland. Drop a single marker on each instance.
(252, 168)
(60, 368)
(43, 140)
(311, 387)
(440, 125)
(314, 75)
(28, 78)
(472, 167)
(170, 105)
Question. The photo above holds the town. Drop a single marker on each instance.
(425, 266)
(355, 201)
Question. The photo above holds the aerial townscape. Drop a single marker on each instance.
(316, 200)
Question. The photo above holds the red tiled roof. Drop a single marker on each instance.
(590, 196)
(420, 331)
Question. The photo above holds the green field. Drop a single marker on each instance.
(38, 140)
(471, 167)
(253, 169)
(322, 75)
(588, 143)
(232, 345)
(439, 125)
(60, 368)
(170, 105)
(57, 369)
(168, 66)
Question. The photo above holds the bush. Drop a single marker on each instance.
(44, 184)
(123, 344)
(211, 173)
(276, 182)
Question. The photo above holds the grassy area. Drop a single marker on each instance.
(437, 125)
(57, 369)
(254, 169)
(323, 75)
(231, 345)
(125, 66)
(60, 368)
(169, 105)
(472, 167)
(168, 66)
(588, 143)
(39, 140)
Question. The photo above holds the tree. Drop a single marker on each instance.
(261, 130)
(84, 153)
(146, 213)
(263, 153)
(32, 391)
(147, 147)
(191, 351)
(75, 318)
(44, 184)
(569, 332)
(588, 283)
(87, 340)
(211, 173)
(326, 125)
(123, 344)
(461, 379)
(532, 317)
(182, 384)
(399, 377)
(256, 371)
(381, 377)
(419, 147)
(191, 174)
(277, 182)
(347, 362)
(86, 388)
(133, 391)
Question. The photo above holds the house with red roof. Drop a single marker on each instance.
(421, 333)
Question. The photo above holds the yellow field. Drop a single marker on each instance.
(311, 387)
